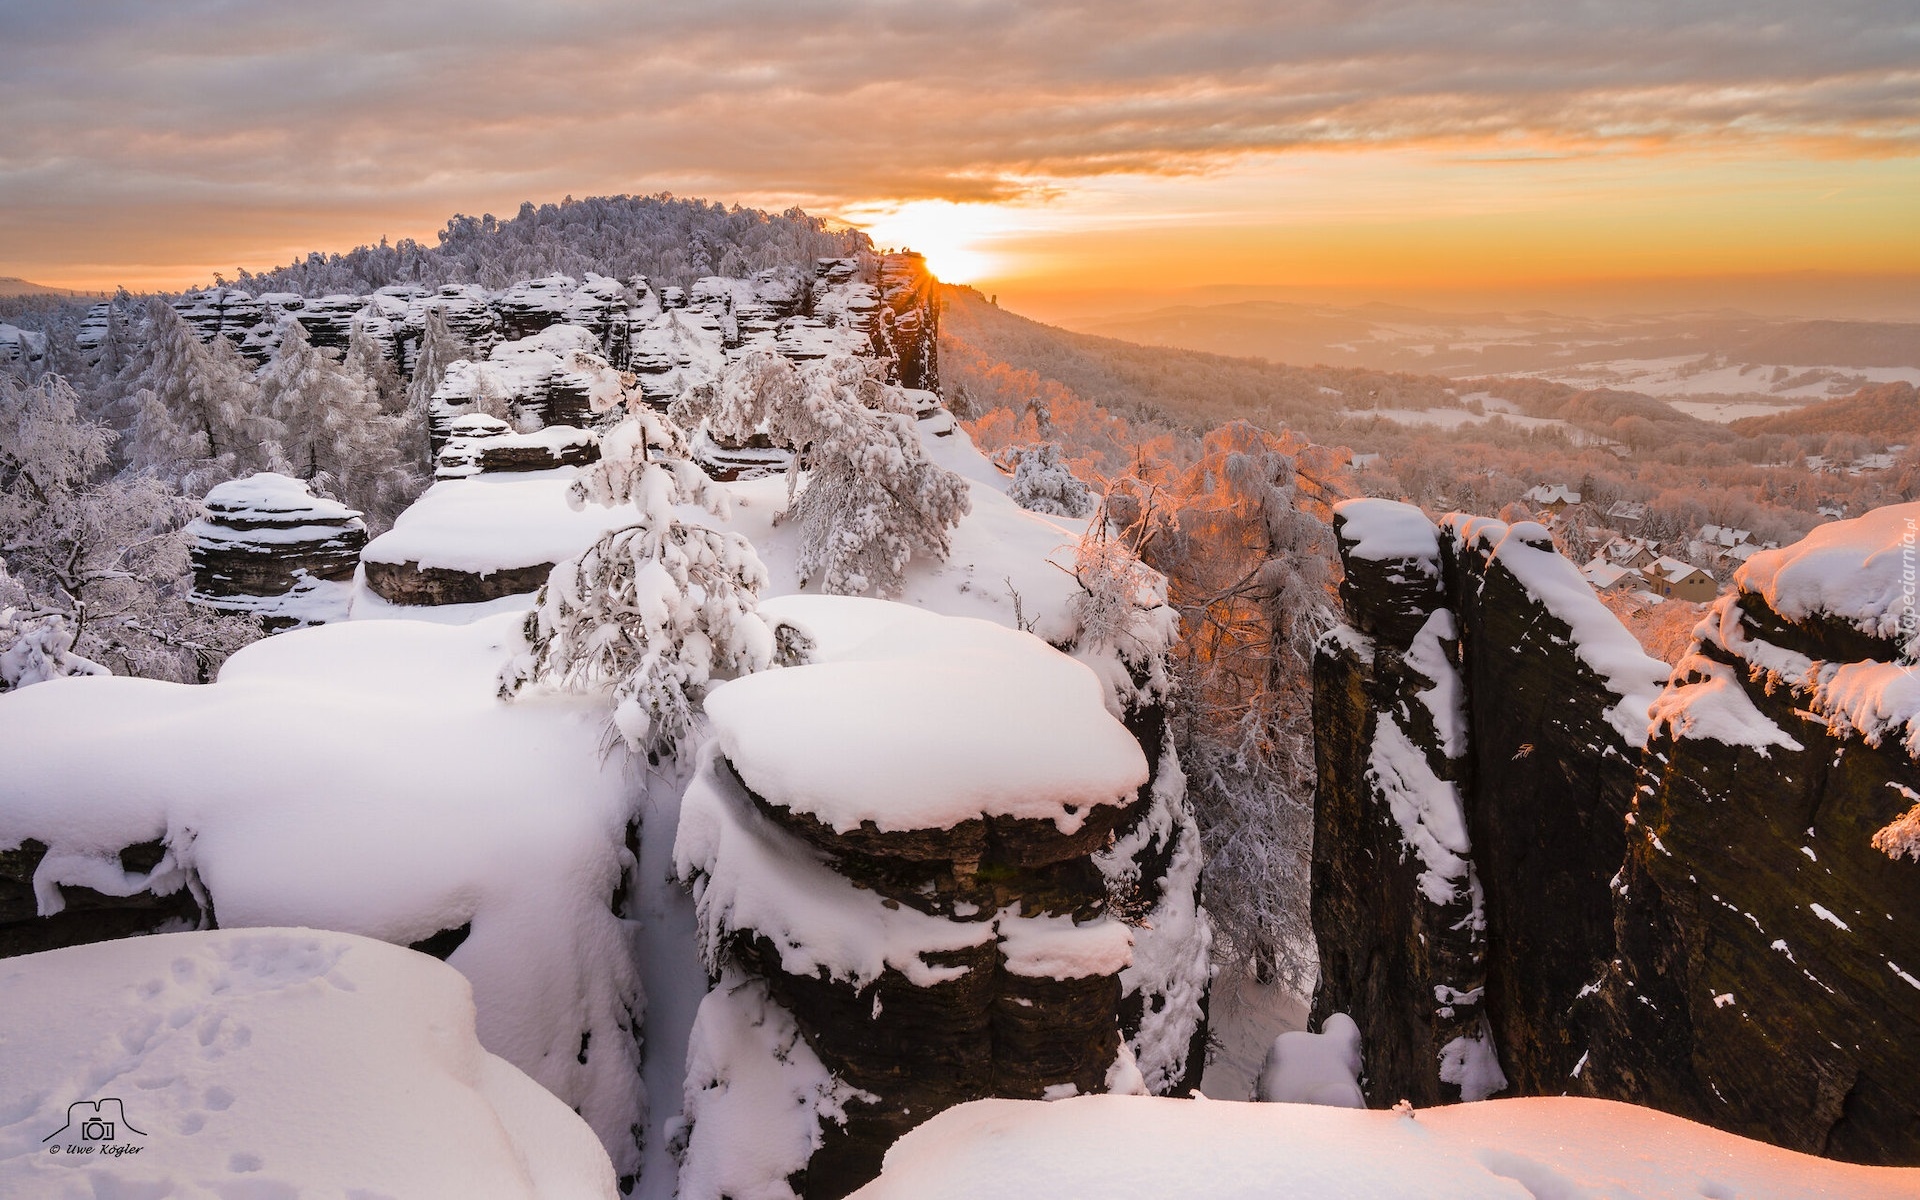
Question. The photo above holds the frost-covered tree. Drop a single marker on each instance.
(1043, 482)
(872, 499)
(98, 564)
(1124, 626)
(34, 646)
(200, 417)
(332, 430)
(1248, 558)
(651, 613)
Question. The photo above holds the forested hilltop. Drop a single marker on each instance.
(670, 240)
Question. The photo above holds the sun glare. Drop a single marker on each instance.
(953, 236)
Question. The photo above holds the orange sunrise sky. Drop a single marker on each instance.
(1070, 158)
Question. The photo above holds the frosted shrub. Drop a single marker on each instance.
(1042, 482)
(34, 647)
(1124, 619)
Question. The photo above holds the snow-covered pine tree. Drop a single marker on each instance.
(99, 563)
(332, 431)
(651, 613)
(366, 359)
(1044, 483)
(872, 498)
(200, 419)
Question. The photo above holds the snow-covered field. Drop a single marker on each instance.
(1680, 376)
(1452, 418)
(1549, 1148)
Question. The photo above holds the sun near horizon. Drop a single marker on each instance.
(1489, 155)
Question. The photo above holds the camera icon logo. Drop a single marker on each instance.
(102, 1120)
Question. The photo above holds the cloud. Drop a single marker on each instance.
(118, 109)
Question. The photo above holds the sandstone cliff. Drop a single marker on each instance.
(898, 843)
(1702, 915)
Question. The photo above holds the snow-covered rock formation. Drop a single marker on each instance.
(1540, 866)
(191, 1064)
(478, 443)
(268, 547)
(362, 777)
(556, 376)
(896, 841)
(1769, 904)
(883, 305)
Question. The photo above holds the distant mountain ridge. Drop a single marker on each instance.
(13, 285)
(1383, 337)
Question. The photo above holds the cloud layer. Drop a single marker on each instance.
(198, 108)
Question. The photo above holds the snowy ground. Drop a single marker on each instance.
(365, 777)
(256, 1064)
(1550, 1148)
(1244, 1016)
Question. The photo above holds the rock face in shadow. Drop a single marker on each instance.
(1696, 896)
(1769, 907)
(909, 320)
(1397, 902)
(965, 1013)
(411, 583)
(163, 901)
(268, 547)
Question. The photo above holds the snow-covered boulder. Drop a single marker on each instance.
(466, 541)
(1139, 1148)
(897, 840)
(1314, 1068)
(272, 1062)
(364, 777)
(478, 443)
(268, 547)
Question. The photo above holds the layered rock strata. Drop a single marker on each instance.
(268, 547)
(1698, 896)
(555, 377)
(909, 324)
(479, 444)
